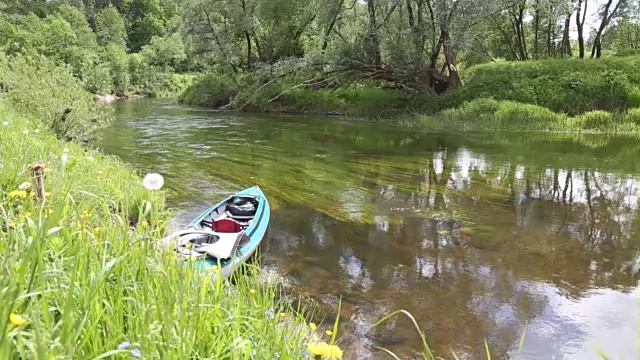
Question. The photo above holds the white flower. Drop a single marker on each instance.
(26, 132)
(36, 131)
(153, 181)
(65, 150)
(6, 123)
(24, 186)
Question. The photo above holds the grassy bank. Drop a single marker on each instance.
(590, 95)
(569, 86)
(82, 277)
(490, 114)
(285, 95)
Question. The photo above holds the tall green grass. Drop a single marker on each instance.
(570, 86)
(491, 114)
(82, 276)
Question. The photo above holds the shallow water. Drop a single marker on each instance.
(478, 235)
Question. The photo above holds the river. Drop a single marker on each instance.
(478, 235)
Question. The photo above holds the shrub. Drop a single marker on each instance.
(211, 90)
(633, 116)
(51, 94)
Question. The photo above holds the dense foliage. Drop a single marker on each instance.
(127, 48)
(272, 55)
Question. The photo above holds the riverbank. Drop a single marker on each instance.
(84, 278)
(575, 95)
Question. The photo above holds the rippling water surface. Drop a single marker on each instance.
(479, 236)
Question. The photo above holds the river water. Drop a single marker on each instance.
(478, 235)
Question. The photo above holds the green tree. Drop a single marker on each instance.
(149, 18)
(110, 28)
(165, 52)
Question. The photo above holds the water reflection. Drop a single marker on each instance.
(477, 235)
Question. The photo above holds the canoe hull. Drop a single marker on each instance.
(255, 233)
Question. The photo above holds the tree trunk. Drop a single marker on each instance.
(550, 47)
(536, 29)
(248, 39)
(565, 49)
(596, 49)
(518, 29)
(373, 48)
(416, 23)
(325, 41)
(580, 18)
(450, 59)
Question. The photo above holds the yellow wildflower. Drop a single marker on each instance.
(313, 326)
(49, 211)
(18, 194)
(47, 194)
(28, 213)
(329, 332)
(325, 350)
(145, 223)
(253, 291)
(11, 225)
(334, 352)
(17, 320)
(96, 229)
(283, 314)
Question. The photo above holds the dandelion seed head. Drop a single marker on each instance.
(24, 186)
(153, 181)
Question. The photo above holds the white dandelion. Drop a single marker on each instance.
(24, 186)
(26, 132)
(6, 123)
(153, 181)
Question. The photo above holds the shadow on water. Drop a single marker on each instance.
(477, 235)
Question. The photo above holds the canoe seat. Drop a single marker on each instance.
(226, 226)
(224, 248)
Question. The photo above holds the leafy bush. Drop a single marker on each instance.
(50, 93)
(633, 116)
(211, 90)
